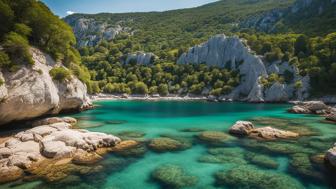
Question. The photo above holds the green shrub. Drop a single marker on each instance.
(17, 47)
(4, 60)
(298, 85)
(140, 88)
(153, 90)
(163, 89)
(60, 74)
(216, 92)
(2, 82)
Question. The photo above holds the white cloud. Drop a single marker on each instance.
(70, 12)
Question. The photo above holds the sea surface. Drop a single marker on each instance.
(231, 163)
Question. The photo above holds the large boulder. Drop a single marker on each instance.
(31, 92)
(241, 128)
(310, 107)
(245, 128)
(269, 133)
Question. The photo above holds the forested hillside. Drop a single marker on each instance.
(299, 32)
(26, 23)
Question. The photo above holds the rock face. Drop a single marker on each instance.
(31, 92)
(310, 107)
(26, 149)
(232, 53)
(89, 32)
(140, 58)
(241, 128)
(245, 128)
(269, 133)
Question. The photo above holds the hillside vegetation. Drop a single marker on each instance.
(26, 23)
(301, 35)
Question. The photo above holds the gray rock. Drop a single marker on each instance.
(141, 58)
(89, 32)
(276, 93)
(270, 133)
(228, 52)
(241, 128)
(31, 92)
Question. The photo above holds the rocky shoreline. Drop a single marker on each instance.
(319, 108)
(51, 142)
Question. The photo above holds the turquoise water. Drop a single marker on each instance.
(168, 118)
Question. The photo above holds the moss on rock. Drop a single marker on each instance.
(164, 144)
(261, 160)
(173, 176)
(245, 177)
(214, 137)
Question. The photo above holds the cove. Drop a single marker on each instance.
(208, 165)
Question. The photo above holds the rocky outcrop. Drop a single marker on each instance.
(310, 107)
(228, 52)
(245, 128)
(140, 58)
(242, 128)
(264, 22)
(31, 92)
(232, 53)
(276, 93)
(24, 151)
(90, 32)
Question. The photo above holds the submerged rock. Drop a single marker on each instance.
(283, 147)
(261, 160)
(129, 148)
(165, 144)
(250, 177)
(214, 137)
(293, 125)
(300, 163)
(173, 176)
(224, 156)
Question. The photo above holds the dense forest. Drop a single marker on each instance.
(168, 34)
(26, 23)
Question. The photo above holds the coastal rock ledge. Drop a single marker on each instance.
(25, 151)
(245, 128)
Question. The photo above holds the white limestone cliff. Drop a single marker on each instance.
(232, 53)
(31, 92)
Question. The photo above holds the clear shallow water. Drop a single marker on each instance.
(155, 119)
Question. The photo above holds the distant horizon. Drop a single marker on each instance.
(64, 8)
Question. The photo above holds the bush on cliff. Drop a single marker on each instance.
(60, 74)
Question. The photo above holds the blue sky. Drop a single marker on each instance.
(64, 7)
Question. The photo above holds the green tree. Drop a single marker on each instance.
(163, 89)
